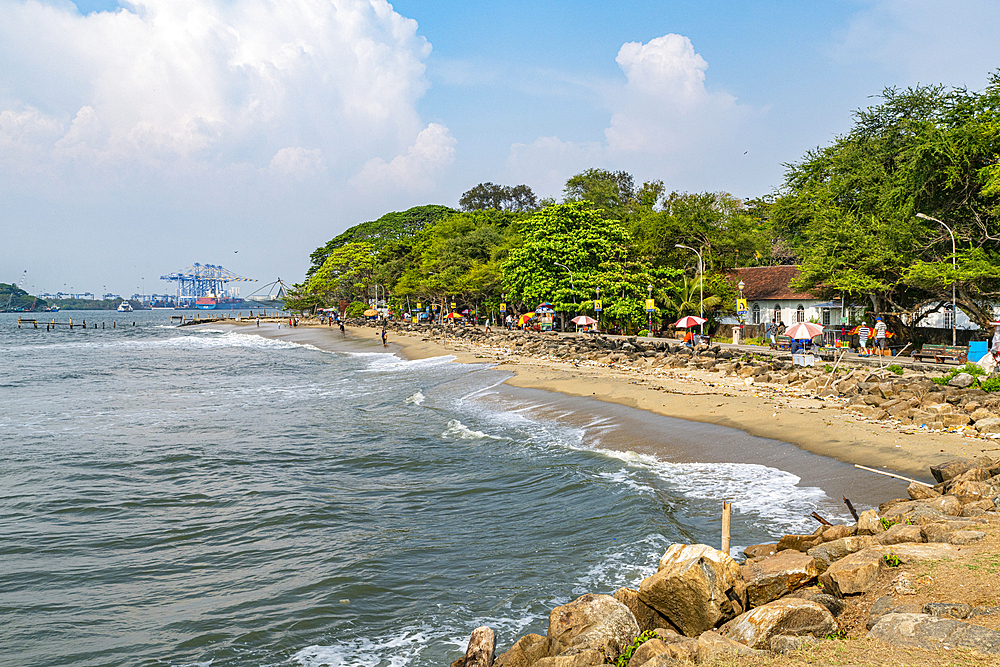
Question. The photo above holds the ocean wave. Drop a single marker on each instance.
(390, 363)
(417, 398)
(394, 651)
(458, 431)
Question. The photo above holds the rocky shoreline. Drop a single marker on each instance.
(702, 607)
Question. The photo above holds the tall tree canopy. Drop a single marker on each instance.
(499, 197)
(850, 208)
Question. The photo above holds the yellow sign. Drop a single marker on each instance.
(741, 305)
(597, 306)
(503, 307)
(453, 305)
(650, 305)
(419, 305)
(416, 320)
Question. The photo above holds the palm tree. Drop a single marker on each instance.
(687, 298)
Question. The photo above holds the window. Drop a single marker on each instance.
(826, 317)
(755, 314)
(949, 316)
(777, 313)
(800, 314)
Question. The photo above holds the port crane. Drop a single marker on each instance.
(200, 280)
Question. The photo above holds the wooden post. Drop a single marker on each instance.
(482, 644)
(726, 513)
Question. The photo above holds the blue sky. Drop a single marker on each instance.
(136, 139)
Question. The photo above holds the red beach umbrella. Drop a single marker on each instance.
(803, 330)
(690, 321)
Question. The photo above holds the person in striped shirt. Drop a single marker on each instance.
(880, 335)
(863, 333)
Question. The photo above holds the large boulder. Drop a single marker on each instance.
(901, 533)
(647, 617)
(945, 471)
(827, 554)
(696, 588)
(935, 634)
(869, 523)
(788, 616)
(856, 573)
(942, 505)
(713, 646)
(525, 652)
(918, 491)
(597, 622)
(585, 658)
(770, 578)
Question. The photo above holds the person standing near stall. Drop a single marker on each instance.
(880, 341)
(863, 333)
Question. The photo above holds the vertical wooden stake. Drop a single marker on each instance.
(726, 512)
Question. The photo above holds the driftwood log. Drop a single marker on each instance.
(482, 643)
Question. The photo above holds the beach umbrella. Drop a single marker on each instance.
(803, 330)
(371, 312)
(524, 318)
(451, 316)
(583, 320)
(689, 321)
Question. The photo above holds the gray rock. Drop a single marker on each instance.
(787, 643)
(946, 610)
(934, 634)
(962, 381)
(832, 604)
(889, 605)
(826, 554)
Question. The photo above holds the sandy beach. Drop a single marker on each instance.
(769, 411)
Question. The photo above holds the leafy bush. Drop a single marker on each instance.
(972, 369)
(644, 332)
(892, 560)
(895, 368)
(629, 651)
(356, 309)
(990, 384)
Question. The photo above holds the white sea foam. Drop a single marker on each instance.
(458, 431)
(417, 398)
(395, 651)
(390, 363)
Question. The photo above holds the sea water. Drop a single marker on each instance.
(182, 496)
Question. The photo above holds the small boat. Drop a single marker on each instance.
(125, 307)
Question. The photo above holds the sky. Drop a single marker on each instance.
(137, 138)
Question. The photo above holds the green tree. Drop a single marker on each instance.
(499, 197)
(348, 272)
(388, 231)
(849, 208)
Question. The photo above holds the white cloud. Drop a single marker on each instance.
(168, 83)
(664, 123)
(924, 41)
(414, 170)
(297, 161)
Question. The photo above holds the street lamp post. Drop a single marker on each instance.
(649, 323)
(954, 306)
(598, 308)
(701, 285)
(741, 285)
(571, 286)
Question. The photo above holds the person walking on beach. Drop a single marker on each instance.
(880, 336)
(863, 333)
(769, 331)
(384, 344)
(258, 321)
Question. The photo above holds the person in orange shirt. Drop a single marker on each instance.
(689, 338)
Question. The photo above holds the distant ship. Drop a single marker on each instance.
(228, 303)
(125, 307)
